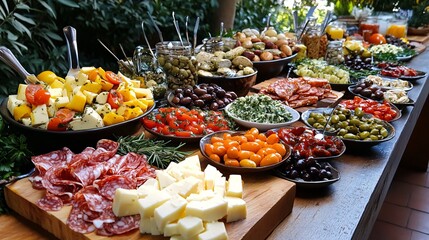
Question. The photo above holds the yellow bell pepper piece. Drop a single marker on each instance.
(93, 87)
(112, 118)
(21, 111)
(77, 102)
(131, 113)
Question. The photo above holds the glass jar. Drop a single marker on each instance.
(212, 45)
(336, 30)
(311, 39)
(334, 52)
(368, 27)
(397, 28)
(178, 64)
(383, 22)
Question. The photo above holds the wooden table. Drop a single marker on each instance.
(346, 209)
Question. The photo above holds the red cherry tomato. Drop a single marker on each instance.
(65, 114)
(113, 77)
(115, 99)
(56, 124)
(36, 95)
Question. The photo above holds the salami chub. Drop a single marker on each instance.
(87, 181)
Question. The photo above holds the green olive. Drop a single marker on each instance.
(342, 132)
(350, 136)
(342, 117)
(373, 137)
(364, 127)
(355, 122)
(311, 120)
(364, 135)
(352, 129)
(374, 131)
(335, 119)
(384, 132)
(343, 124)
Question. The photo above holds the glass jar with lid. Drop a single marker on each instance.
(368, 27)
(397, 28)
(178, 64)
(334, 52)
(336, 30)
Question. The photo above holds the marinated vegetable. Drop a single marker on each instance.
(321, 69)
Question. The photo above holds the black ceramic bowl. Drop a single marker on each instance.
(240, 85)
(42, 141)
(272, 68)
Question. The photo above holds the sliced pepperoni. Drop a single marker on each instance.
(105, 150)
(123, 224)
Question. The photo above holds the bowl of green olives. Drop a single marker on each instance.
(352, 126)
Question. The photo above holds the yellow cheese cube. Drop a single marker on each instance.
(112, 118)
(171, 229)
(55, 92)
(150, 183)
(212, 209)
(220, 186)
(148, 225)
(237, 209)
(125, 202)
(90, 96)
(135, 83)
(214, 231)
(148, 204)
(183, 187)
(21, 111)
(127, 94)
(164, 179)
(86, 70)
(57, 84)
(39, 115)
(235, 186)
(77, 102)
(190, 226)
(93, 87)
(170, 211)
(61, 102)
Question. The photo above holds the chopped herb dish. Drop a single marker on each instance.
(259, 108)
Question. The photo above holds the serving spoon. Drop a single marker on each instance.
(8, 58)
(334, 106)
(70, 34)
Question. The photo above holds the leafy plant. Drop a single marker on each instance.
(420, 15)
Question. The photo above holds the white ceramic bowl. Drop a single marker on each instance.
(262, 127)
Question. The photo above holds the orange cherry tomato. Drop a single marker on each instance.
(247, 163)
(250, 137)
(232, 163)
(377, 38)
(256, 158)
(112, 77)
(232, 152)
(280, 148)
(219, 150)
(214, 157)
(244, 154)
(216, 139)
(253, 131)
(208, 149)
(270, 159)
(273, 138)
(250, 146)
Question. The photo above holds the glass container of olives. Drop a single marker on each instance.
(334, 52)
(178, 64)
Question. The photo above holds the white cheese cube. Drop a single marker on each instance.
(201, 196)
(164, 179)
(39, 115)
(26, 121)
(90, 96)
(102, 97)
(90, 119)
(174, 170)
(51, 107)
(148, 204)
(55, 92)
(61, 102)
(21, 92)
(125, 202)
(81, 78)
(197, 174)
(13, 102)
(150, 183)
(235, 186)
(143, 93)
(214, 231)
(191, 162)
(190, 226)
(237, 209)
(148, 225)
(171, 229)
(210, 175)
(220, 186)
(212, 209)
(169, 211)
(183, 187)
(102, 109)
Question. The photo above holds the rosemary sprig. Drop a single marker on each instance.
(158, 152)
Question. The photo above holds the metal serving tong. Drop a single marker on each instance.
(9, 59)
(70, 34)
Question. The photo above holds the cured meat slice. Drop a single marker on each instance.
(77, 222)
(50, 202)
(58, 181)
(122, 225)
(108, 185)
(105, 150)
(88, 174)
(96, 202)
(52, 159)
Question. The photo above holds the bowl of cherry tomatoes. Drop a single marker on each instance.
(183, 124)
(244, 151)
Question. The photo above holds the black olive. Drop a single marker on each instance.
(199, 103)
(185, 101)
(220, 103)
(294, 174)
(187, 92)
(357, 89)
(210, 89)
(206, 97)
(200, 91)
(214, 106)
(179, 95)
(194, 96)
(175, 100)
(233, 95)
(366, 92)
(300, 164)
(220, 93)
(177, 91)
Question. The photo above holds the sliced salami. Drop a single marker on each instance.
(52, 159)
(50, 202)
(77, 222)
(123, 224)
(106, 149)
(108, 185)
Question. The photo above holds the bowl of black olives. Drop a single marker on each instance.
(308, 172)
(206, 96)
(367, 89)
(240, 84)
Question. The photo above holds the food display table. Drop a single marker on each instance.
(344, 210)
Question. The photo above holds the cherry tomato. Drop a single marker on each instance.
(149, 123)
(56, 124)
(65, 114)
(112, 77)
(115, 99)
(36, 95)
(183, 133)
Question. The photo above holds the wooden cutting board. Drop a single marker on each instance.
(269, 200)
